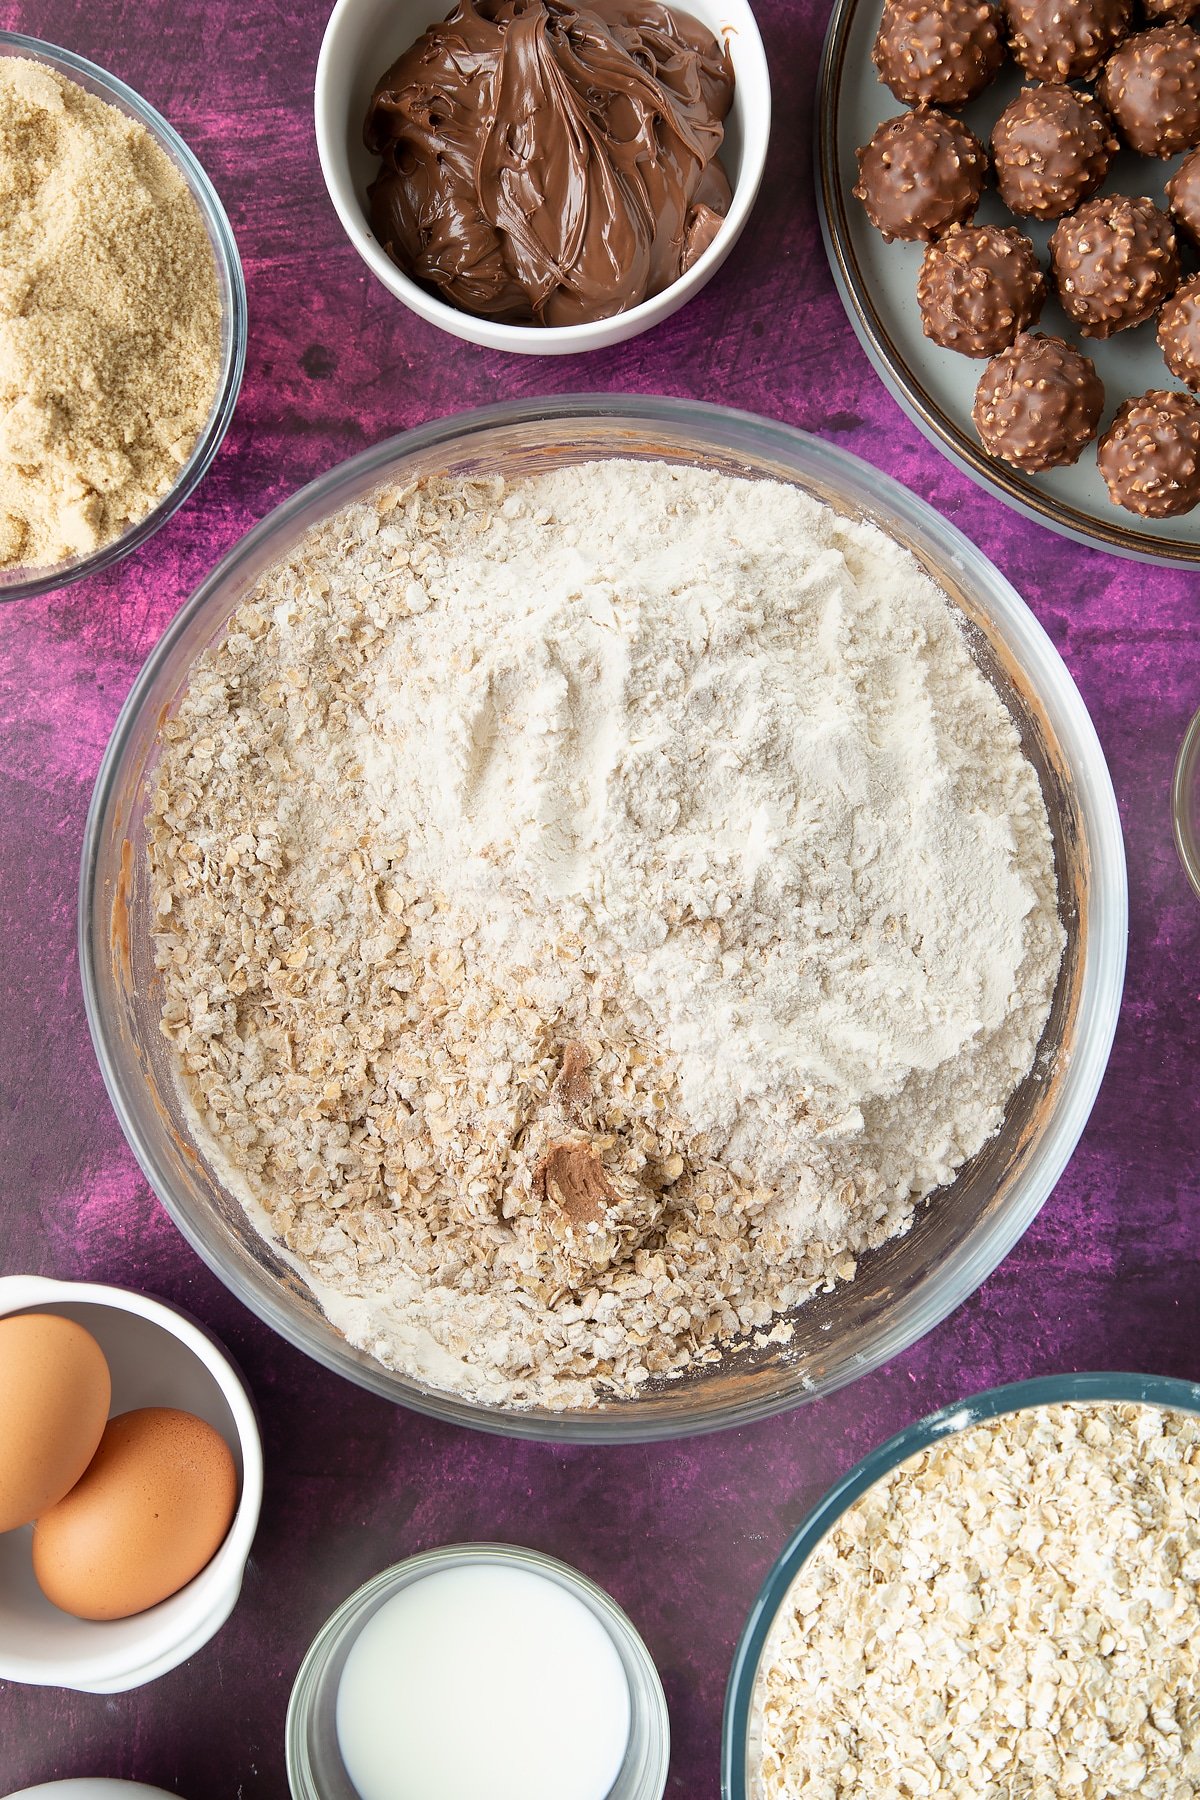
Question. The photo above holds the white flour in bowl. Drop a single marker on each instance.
(592, 912)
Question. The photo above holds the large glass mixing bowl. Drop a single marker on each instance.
(902, 1289)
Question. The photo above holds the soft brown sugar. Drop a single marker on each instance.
(110, 319)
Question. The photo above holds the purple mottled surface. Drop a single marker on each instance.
(682, 1534)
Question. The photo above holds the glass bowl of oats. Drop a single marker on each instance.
(1001, 1599)
(123, 329)
(603, 918)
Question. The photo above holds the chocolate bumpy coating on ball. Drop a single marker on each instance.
(920, 174)
(1065, 40)
(1183, 196)
(979, 285)
(1178, 10)
(1150, 454)
(1038, 403)
(1114, 263)
(1179, 333)
(938, 52)
(1151, 86)
(1051, 148)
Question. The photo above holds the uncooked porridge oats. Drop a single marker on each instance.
(1012, 1614)
(592, 911)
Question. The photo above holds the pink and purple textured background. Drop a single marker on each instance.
(682, 1534)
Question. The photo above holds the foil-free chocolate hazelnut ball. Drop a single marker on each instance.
(1065, 40)
(1038, 403)
(940, 52)
(1183, 196)
(1150, 454)
(1051, 148)
(978, 287)
(920, 173)
(1151, 86)
(1114, 262)
(1180, 10)
(1179, 333)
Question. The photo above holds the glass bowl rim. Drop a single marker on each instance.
(357, 1606)
(1185, 796)
(1169, 1392)
(723, 430)
(231, 282)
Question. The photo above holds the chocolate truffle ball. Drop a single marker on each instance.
(1114, 263)
(1151, 86)
(942, 52)
(1038, 403)
(1051, 147)
(1150, 454)
(919, 174)
(1183, 196)
(1178, 10)
(1179, 333)
(978, 287)
(1065, 40)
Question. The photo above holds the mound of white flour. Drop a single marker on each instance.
(683, 769)
(662, 701)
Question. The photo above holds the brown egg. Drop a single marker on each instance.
(55, 1390)
(153, 1508)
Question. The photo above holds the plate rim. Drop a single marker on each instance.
(902, 383)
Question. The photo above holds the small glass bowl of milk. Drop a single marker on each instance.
(478, 1672)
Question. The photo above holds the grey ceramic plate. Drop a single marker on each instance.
(877, 282)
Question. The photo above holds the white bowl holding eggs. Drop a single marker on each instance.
(157, 1357)
(364, 37)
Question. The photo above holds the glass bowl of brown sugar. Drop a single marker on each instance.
(118, 410)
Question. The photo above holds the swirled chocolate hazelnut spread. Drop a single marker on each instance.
(550, 162)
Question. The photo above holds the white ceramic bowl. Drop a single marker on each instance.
(157, 1357)
(92, 1788)
(364, 37)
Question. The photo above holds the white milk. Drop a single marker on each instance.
(483, 1682)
